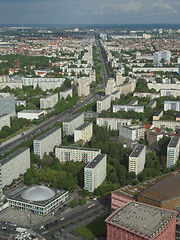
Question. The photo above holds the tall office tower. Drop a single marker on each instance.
(95, 172)
(1, 191)
(173, 151)
(137, 159)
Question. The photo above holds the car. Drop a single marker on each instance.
(62, 218)
(41, 227)
(4, 227)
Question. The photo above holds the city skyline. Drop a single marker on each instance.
(92, 12)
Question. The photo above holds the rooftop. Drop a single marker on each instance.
(174, 142)
(49, 95)
(157, 113)
(31, 111)
(72, 117)
(137, 150)
(84, 125)
(102, 99)
(79, 148)
(95, 161)
(46, 134)
(141, 219)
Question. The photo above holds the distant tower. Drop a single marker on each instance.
(49, 64)
(1, 191)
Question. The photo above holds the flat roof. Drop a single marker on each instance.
(100, 100)
(46, 134)
(47, 96)
(137, 150)
(151, 103)
(72, 117)
(141, 219)
(173, 142)
(157, 113)
(31, 111)
(164, 190)
(95, 161)
(84, 125)
(12, 155)
(133, 101)
(79, 148)
(115, 92)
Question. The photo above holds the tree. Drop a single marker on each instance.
(82, 201)
(74, 204)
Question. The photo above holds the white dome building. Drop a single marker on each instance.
(39, 199)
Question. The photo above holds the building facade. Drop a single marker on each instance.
(48, 101)
(172, 105)
(84, 132)
(163, 124)
(73, 122)
(126, 108)
(95, 172)
(137, 159)
(4, 121)
(14, 165)
(47, 141)
(170, 92)
(76, 154)
(7, 104)
(67, 92)
(112, 123)
(132, 132)
(103, 104)
(173, 152)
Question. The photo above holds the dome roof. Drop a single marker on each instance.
(38, 193)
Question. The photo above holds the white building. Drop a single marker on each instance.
(115, 95)
(14, 165)
(103, 104)
(95, 172)
(137, 159)
(20, 102)
(82, 86)
(4, 121)
(31, 114)
(158, 56)
(110, 86)
(163, 124)
(48, 101)
(67, 92)
(145, 94)
(73, 122)
(76, 154)
(132, 132)
(112, 123)
(84, 132)
(173, 152)
(172, 105)
(7, 104)
(47, 141)
(170, 92)
(126, 108)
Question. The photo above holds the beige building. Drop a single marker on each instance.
(4, 120)
(110, 86)
(84, 132)
(48, 101)
(127, 87)
(162, 124)
(157, 115)
(137, 159)
(67, 92)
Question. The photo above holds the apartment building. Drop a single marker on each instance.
(150, 95)
(172, 105)
(7, 104)
(157, 115)
(170, 92)
(162, 124)
(82, 86)
(126, 108)
(95, 172)
(31, 114)
(73, 122)
(110, 86)
(137, 159)
(132, 132)
(84, 132)
(67, 92)
(152, 104)
(173, 151)
(112, 123)
(115, 95)
(103, 104)
(48, 101)
(14, 165)
(47, 141)
(76, 154)
(4, 121)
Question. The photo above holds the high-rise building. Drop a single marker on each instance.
(48, 101)
(173, 151)
(103, 104)
(95, 172)
(73, 122)
(7, 104)
(137, 159)
(84, 132)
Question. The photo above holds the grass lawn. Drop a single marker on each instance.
(93, 229)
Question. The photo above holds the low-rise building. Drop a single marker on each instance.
(14, 165)
(163, 124)
(170, 92)
(157, 115)
(103, 104)
(126, 108)
(95, 172)
(76, 154)
(142, 94)
(67, 92)
(173, 151)
(112, 123)
(172, 105)
(48, 101)
(132, 132)
(133, 102)
(31, 114)
(47, 141)
(4, 121)
(152, 104)
(20, 103)
(73, 122)
(137, 159)
(84, 132)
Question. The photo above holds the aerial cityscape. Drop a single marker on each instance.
(90, 120)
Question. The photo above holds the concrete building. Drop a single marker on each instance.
(172, 105)
(76, 154)
(67, 92)
(173, 151)
(84, 132)
(133, 102)
(112, 123)
(82, 86)
(73, 122)
(38, 199)
(159, 86)
(20, 103)
(132, 132)
(157, 115)
(150, 95)
(48, 101)
(126, 108)
(152, 104)
(31, 114)
(170, 92)
(47, 141)
(127, 87)
(139, 221)
(119, 78)
(7, 104)
(163, 124)
(110, 86)
(178, 116)
(137, 159)
(155, 69)
(14, 165)
(103, 104)
(4, 121)
(115, 95)
(95, 172)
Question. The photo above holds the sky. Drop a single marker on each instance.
(89, 11)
